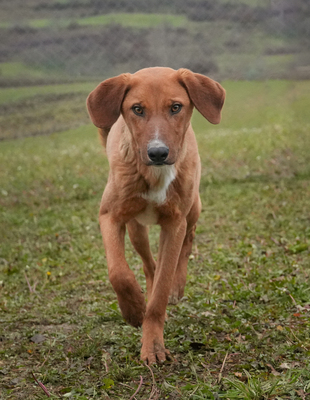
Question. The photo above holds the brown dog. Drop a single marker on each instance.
(144, 121)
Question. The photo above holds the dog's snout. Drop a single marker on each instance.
(158, 155)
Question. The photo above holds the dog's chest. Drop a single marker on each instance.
(157, 195)
(164, 175)
(148, 216)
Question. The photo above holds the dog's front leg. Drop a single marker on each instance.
(129, 294)
(171, 240)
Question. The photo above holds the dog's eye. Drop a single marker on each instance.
(138, 110)
(175, 108)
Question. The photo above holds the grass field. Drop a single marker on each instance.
(242, 329)
(126, 19)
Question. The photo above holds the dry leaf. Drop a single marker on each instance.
(285, 366)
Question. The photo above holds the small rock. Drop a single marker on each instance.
(38, 338)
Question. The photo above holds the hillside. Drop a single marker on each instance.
(62, 40)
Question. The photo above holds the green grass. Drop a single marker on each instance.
(40, 110)
(134, 20)
(29, 111)
(9, 95)
(242, 329)
(18, 69)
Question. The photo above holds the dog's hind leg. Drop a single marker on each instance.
(138, 235)
(177, 290)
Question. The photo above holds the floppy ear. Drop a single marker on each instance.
(207, 95)
(105, 101)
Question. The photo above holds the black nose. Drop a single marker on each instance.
(158, 155)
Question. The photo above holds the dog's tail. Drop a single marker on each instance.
(103, 136)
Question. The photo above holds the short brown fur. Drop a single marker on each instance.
(139, 193)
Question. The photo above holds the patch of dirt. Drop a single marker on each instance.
(63, 328)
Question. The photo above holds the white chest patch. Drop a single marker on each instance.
(165, 174)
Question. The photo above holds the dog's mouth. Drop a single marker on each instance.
(159, 163)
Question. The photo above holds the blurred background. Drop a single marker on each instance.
(60, 49)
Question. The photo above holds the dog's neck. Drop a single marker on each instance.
(161, 178)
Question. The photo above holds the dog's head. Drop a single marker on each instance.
(156, 104)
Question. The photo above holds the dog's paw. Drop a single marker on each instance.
(134, 316)
(132, 305)
(154, 353)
